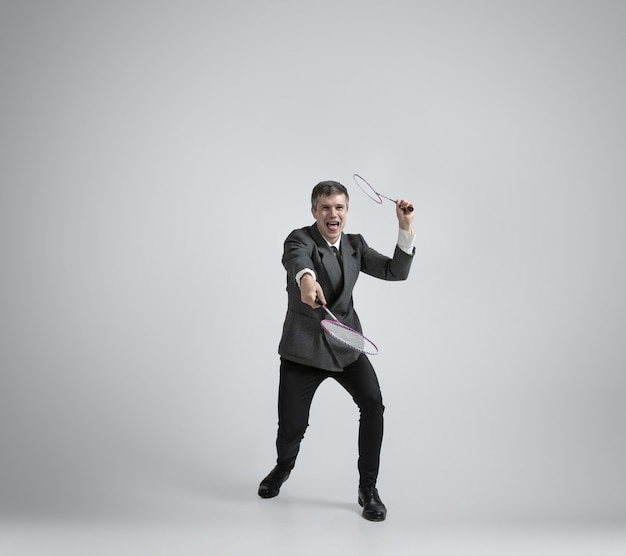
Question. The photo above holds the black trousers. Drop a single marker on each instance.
(298, 384)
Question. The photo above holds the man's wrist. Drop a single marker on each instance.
(304, 272)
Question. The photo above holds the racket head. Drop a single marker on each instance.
(349, 337)
(367, 188)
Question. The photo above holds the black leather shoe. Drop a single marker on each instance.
(270, 486)
(373, 507)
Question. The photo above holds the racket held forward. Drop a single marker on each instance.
(346, 335)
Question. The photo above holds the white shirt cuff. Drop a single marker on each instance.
(406, 241)
(302, 273)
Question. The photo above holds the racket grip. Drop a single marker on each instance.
(405, 210)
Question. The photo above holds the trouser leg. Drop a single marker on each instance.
(298, 384)
(361, 382)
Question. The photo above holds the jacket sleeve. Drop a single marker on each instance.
(380, 266)
(297, 253)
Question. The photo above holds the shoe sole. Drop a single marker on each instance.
(268, 494)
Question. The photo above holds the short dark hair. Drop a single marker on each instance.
(326, 188)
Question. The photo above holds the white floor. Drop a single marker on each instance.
(301, 521)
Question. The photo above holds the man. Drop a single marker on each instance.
(323, 265)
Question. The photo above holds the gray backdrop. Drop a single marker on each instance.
(154, 155)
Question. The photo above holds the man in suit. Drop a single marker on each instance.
(323, 265)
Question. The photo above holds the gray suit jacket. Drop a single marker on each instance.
(303, 339)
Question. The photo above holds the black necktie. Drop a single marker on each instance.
(338, 255)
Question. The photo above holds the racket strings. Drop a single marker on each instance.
(349, 337)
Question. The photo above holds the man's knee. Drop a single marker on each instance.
(371, 404)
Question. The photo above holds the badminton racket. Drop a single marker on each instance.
(346, 335)
(374, 195)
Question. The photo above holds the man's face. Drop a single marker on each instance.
(330, 214)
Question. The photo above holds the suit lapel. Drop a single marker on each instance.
(350, 264)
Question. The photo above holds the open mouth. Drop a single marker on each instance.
(333, 226)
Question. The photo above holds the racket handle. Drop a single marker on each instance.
(326, 309)
(407, 209)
